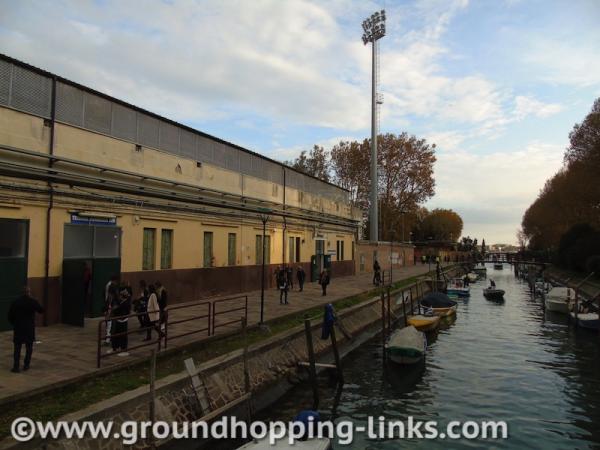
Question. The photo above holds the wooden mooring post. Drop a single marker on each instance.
(336, 355)
(389, 310)
(404, 309)
(152, 405)
(312, 370)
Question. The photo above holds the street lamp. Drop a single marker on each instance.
(374, 29)
(264, 217)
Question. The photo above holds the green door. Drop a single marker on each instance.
(14, 237)
(73, 292)
(102, 270)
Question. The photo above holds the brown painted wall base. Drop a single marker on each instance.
(52, 312)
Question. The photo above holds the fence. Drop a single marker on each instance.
(202, 321)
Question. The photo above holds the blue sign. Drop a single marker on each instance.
(101, 221)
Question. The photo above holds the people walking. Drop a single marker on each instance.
(376, 273)
(122, 308)
(153, 313)
(301, 275)
(282, 284)
(140, 305)
(21, 315)
(324, 280)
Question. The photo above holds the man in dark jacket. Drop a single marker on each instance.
(301, 277)
(22, 317)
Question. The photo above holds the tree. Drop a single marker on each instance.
(349, 161)
(585, 139)
(441, 225)
(314, 163)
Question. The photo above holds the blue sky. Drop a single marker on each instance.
(496, 85)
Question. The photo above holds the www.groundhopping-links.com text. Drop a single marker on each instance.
(25, 429)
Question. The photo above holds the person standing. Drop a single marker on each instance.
(109, 298)
(324, 280)
(153, 313)
(290, 277)
(21, 315)
(301, 275)
(376, 273)
(282, 284)
(161, 295)
(122, 308)
(140, 305)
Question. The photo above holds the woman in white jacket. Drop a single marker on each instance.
(153, 313)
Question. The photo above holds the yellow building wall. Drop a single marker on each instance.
(21, 130)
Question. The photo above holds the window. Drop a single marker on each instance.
(231, 249)
(149, 249)
(13, 238)
(88, 241)
(166, 249)
(259, 249)
(298, 249)
(340, 250)
(208, 249)
(292, 249)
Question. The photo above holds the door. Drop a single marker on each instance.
(73, 291)
(13, 264)
(102, 270)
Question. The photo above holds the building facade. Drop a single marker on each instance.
(91, 187)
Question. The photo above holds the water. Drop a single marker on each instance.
(498, 361)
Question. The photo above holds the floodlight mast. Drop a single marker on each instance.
(374, 29)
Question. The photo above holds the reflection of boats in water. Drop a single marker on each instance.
(404, 379)
(447, 322)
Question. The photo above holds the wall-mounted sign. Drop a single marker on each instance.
(106, 221)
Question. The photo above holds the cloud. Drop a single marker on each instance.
(495, 188)
(526, 106)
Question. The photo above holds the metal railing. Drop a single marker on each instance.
(169, 322)
(207, 318)
(216, 313)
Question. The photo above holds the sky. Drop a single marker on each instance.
(496, 85)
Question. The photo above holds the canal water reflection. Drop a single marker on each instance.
(498, 361)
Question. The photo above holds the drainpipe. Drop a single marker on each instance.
(284, 221)
(50, 206)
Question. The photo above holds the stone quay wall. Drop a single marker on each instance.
(269, 362)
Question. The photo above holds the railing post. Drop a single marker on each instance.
(404, 309)
(166, 327)
(389, 308)
(246, 309)
(311, 360)
(214, 310)
(209, 318)
(412, 308)
(382, 297)
(99, 351)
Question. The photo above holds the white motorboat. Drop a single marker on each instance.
(557, 299)
(587, 320)
(473, 277)
(406, 345)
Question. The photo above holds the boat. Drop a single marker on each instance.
(587, 320)
(557, 299)
(439, 303)
(493, 294)
(480, 270)
(406, 345)
(473, 277)
(281, 444)
(424, 322)
(498, 266)
(458, 288)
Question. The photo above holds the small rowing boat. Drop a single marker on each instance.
(557, 299)
(493, 294)
(406, 346)
(587, 320)
(424, 323)
(439, 303)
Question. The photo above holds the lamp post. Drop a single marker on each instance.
(374, 29)
(264, 217)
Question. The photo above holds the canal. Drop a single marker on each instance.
(508, 361)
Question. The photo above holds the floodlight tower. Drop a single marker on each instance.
(374, 29)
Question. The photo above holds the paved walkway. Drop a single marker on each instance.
(65, 352)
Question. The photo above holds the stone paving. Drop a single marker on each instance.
(65, 352)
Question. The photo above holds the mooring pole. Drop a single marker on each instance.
(383, 323)
(312, 370)
(419, 296)
(336, 355)
(152, 394)
(389, 308)
(404, 309)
